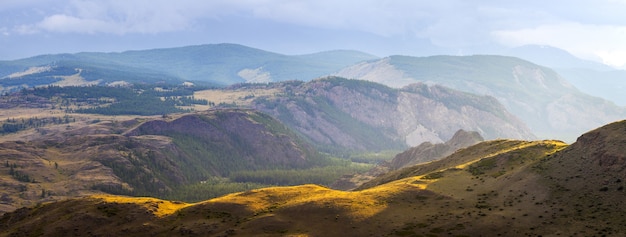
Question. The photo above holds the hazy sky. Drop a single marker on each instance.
(591, 29)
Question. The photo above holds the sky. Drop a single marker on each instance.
(589, 29)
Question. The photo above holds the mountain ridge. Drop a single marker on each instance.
(363, 115)
(217, 64)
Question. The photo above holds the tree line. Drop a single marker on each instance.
(133, 100)
(13, 125)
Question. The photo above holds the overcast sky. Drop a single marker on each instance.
(590, 29)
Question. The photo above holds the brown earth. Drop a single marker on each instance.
(494, 188)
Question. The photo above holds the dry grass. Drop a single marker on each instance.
(448, 201)
(239, 97)
(157, 207)
(496, 188)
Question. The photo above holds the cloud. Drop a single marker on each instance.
(70, 24)
(585, 28)
(118, 17)
(583, 40)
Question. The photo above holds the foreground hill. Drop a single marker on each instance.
(216, 64)
(338, 113)
(154, 156)
(540, 97)
(495, 188)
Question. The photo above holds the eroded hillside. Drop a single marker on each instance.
(495, 188)
(339, 114)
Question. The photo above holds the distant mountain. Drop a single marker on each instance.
(219, 64)
(338, 113)
(539, 96)
(494, 188)
(590, 77)
(609, 85)
(554, 57)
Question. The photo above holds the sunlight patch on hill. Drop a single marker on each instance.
(357, 205)
(234, 97)
(158, 207)
(75, 80)
(559, 144)
(29, 71)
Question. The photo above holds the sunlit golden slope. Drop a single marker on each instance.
(495, 188)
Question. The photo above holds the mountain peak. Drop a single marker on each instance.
(464, 138)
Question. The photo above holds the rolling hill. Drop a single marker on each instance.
(494, 188)
(217, 64)
(540, 97)
(145, 156)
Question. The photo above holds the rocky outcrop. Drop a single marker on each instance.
(425, 152)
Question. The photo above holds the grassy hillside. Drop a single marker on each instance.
(495, 188)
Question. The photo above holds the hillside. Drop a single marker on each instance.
(163, 157)
(590, 77)
(494, 188)
(216, 64)
(338, 113)
(422, 153)
(427, 151)
(540, 97)
(609, 84)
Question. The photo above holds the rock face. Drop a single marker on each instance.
(540, 97)
(365, 116)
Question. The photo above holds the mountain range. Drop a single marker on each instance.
(545, 99)
(218, 64)
(237, 147)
